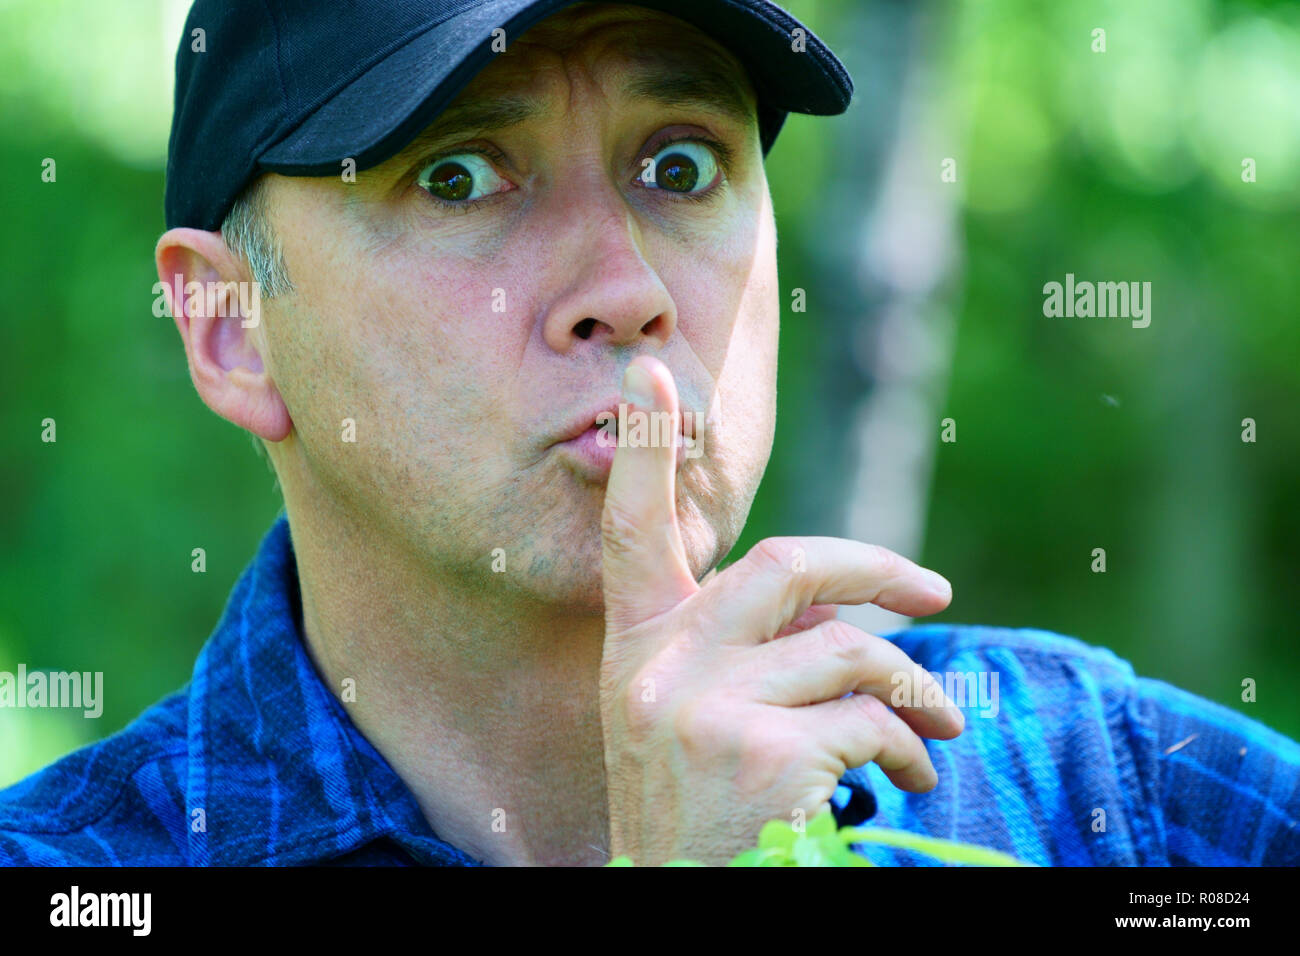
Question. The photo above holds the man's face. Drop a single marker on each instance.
(468, 301)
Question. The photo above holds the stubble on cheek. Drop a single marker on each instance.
(717, 490)
(371, 397)
(395, 341)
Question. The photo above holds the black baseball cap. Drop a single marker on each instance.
(297, 86)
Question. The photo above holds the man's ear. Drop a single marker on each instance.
(217, 309)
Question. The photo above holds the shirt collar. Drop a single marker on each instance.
(278, 770)
(278, 773)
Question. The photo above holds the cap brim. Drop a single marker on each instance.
(376, 115)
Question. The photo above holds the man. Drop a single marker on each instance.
(501, 244)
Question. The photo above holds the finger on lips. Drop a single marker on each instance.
(645, 569)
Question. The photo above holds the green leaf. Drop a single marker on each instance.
(843, 856)
(758, 856)
(822, 845)
(813, 852)
(947, 850)
(822, 825)
(776, 835)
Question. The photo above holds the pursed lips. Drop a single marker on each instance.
(608, 411)
(592, 455)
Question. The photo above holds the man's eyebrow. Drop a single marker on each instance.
(482, 114)
(699, 86)
(666, 83)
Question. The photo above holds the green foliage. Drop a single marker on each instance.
(1075, 434)
(820, 844)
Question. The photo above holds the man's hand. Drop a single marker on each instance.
(721, 703)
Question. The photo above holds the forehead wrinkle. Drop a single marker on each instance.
(672, 63)
(689, 85)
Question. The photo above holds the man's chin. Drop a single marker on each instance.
(568, 576)
(578, 595)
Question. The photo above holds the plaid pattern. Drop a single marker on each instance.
(255, 762)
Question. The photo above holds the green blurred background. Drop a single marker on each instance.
(923, 302)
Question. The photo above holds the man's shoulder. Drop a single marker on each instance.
(934, 645)
(1045, 669)
(1023, 671)
(118, 801)
(1051, 675)
(1069, 757)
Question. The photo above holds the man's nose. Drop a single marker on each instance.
(613, 295)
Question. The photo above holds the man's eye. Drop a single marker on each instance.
(460, 178)
(685, 167)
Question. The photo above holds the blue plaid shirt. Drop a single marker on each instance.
(255, 762)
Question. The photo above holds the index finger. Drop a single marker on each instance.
(645, 571)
